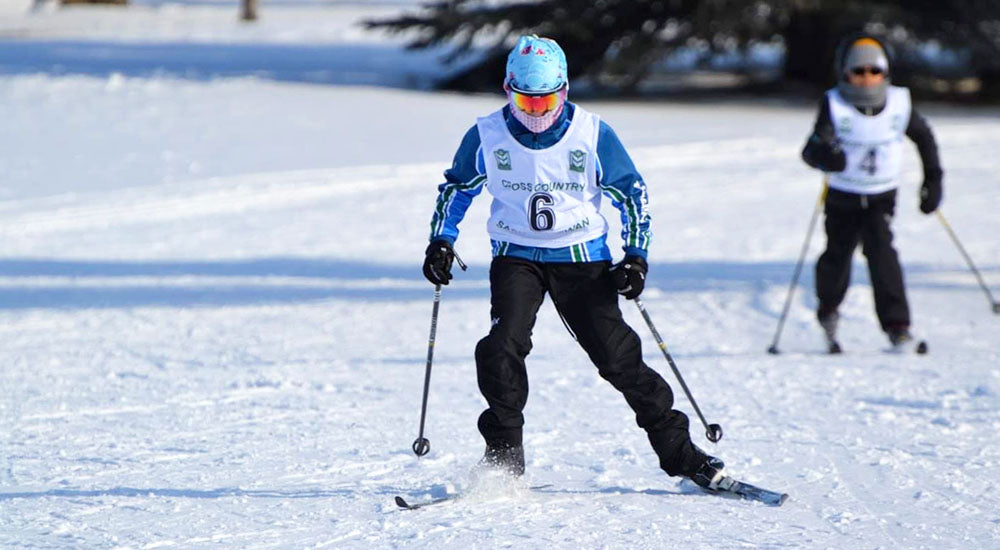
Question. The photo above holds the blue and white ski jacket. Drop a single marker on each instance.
(616, 176)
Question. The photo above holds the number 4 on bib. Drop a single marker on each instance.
(869, 162)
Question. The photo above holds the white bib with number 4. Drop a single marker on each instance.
(873, 145)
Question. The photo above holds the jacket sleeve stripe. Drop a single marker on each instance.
(631, 214)
(446, 198)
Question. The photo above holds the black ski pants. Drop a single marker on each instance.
(850, 219)
(585, 297)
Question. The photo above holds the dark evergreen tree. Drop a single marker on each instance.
(616, 43)
(970, 27)
(613, 41)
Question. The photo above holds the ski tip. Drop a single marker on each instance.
(402, 503)
(922, 347)
(781, 499)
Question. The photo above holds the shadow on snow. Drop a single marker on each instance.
(339, 64)
(79, 284)
(184, 493)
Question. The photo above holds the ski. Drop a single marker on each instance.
(728, 486)
(403, 504)
(919, 348)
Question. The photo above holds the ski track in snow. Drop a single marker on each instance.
(237, 361)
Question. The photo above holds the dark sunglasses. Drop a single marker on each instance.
(858, 71)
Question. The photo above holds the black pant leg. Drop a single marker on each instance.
(585, 296)
(833, 269)
(516, 292)
(883, 263)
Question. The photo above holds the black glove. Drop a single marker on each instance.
(930, 196)
(824, 154)
(437, 263)
(629, 276)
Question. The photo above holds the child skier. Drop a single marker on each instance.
(858, 141)
(547, 162)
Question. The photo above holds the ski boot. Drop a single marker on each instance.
(903, 342)
(508, 459)
(706, 471)
(829, 323)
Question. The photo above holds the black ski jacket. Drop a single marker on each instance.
(822, 151)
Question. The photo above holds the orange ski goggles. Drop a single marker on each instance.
(537, 105)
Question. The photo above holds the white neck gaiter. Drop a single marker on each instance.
(538, 124)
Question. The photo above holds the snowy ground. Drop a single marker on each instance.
(214, 331)
(318, 41)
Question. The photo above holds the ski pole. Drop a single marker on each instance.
(773, 350)
(712, 431)
(993, 303)
(421, 445)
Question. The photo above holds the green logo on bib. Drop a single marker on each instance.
(503, 159)
(897, 123)
(577, 160)
(845, 125)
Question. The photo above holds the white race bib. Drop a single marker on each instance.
(873, 145)
(546, 197)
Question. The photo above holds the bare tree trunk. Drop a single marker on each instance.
(249, 10)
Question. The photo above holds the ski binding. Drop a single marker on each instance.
(728, 486)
